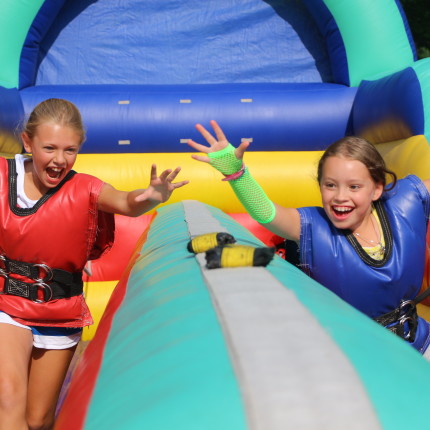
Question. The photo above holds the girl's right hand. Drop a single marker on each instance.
(215, 144)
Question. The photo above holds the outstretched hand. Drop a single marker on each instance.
(161, 187)
(215, 144)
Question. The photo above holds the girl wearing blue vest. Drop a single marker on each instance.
(367, 243)
(52, 221)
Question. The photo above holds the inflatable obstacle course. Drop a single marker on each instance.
(311, 72)
(183, 346)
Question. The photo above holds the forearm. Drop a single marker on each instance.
(283, 221)
(135, 208)
(253, 198)
(123, 202)
(246, 188)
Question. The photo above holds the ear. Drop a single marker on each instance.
(379, 189)
(26, 141)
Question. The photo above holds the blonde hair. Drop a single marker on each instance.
(58, 111)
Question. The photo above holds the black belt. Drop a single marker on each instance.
(48, 283)
(403, 320)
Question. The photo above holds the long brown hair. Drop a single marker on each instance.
(357, 148)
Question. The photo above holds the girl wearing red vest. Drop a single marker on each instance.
(367, 243)
(52, 221)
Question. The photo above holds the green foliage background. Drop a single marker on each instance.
(418, 15)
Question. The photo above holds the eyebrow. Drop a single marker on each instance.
(348, 180)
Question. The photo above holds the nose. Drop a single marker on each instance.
(59, 158)
(340, 195)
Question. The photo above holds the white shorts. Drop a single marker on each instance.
(48, 337)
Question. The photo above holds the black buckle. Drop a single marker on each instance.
(49, 283)
(405, 303)
(402, 321)
(29, 270)
(46, 290)
(396, 320)
(15, 287)
(3, 269)
(408, 315)
(3, 273)
(49, 275)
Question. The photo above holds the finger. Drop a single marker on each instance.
(217, 129)
(165, 174)
(240, 150)
(209, 138)
(198, 147)
(173, 175)
(141, 197)
(201, 158)
(180, 184)
(153, 172)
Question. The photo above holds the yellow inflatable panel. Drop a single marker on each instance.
(9, 145)
(289, 178)
(97, 295)
(409, 156)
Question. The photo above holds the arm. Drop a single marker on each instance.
(284, 222)
(427, 184)
(137, 202)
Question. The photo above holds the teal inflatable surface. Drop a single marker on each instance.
(241, 348)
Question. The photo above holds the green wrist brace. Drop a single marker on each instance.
(248, 191)
(253, 198)
(225, 160)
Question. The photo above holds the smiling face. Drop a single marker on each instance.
(347, 192)
(54, 148)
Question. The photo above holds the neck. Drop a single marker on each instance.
(31, 188)
(369, 235)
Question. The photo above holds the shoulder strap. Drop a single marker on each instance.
(423, 295)
(13, 191)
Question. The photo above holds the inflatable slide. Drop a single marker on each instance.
(174, 347)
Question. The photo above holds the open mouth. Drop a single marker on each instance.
(341, 212)
(53, 172)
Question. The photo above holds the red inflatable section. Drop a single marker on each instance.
(266, 236)
(74, 409)
(110, 266)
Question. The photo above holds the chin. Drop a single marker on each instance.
(341, 224)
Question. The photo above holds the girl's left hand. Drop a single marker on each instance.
(217, 143)
(160, 188)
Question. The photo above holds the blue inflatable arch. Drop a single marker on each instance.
(286, 72)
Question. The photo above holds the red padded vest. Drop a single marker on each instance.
(63, 230)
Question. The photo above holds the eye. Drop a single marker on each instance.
(329, 185)
(72, 151)
(354, 187)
